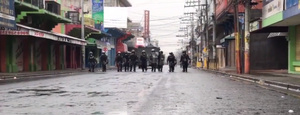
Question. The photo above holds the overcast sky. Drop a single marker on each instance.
(164, 20)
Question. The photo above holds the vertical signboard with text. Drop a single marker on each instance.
(98, 14)
(7, 14)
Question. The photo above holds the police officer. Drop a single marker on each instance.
(92, 62)
(119, 61)
(161, 60)
(185, 60)
(171, 60)
(126, 61)
(133, 61)
(144, 60)
(153, 60)
(104, 61)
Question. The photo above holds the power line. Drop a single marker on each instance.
(165, 23)
(164, 35)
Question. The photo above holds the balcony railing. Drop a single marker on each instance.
(37, 3)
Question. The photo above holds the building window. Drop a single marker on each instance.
(53, 7)
(74, 16)
(38, 3)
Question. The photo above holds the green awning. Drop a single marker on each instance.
(91, 42)
(227, 38)
(96, 35)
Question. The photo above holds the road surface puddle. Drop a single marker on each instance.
(39, 91)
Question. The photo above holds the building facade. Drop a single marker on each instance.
(32, 46)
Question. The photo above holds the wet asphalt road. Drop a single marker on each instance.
(113, 93)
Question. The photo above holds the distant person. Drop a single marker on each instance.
(126, 61)
(161, 60)
(92, 62)
(185, 60)
(104, 61)
(153, 60)
(171, 60)
(133, 59)
(119, 61)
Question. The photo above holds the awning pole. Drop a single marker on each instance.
(82, 34)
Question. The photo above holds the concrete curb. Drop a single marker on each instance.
(38, 77)
(281, 85)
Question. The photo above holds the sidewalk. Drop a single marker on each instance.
(6, 78)
(277, 78)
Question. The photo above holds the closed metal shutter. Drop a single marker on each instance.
(231, 53)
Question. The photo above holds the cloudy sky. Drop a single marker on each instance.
(164, 20)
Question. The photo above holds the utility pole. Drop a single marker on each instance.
(196, 3)
(214, 32)
(246, 53)
(82, 34)
(192, 40)
(206, 31)
(192, 36)
(237, 37)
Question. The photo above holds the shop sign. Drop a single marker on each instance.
(105, 49)
(16, 32)
(254, 26)
(291, 3)
(7, 14)
(277, 34)
(70, 40)
(42, 35)
(271, 7)
(63, 39)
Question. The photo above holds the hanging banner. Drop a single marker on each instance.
(98, 14)
(115, 17)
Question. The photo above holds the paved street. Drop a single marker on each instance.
(113, 93)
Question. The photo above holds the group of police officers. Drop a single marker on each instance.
(129, 61)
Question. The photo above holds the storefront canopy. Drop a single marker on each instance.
(91, 42)
(75, 30)
(129, 37)
(114, 32)
(23, 30)
(97, 35)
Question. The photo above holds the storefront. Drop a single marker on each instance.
(31, 49)
(291, 16)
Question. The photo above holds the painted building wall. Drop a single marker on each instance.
(70, 5)
(294, 49)
(60, 27)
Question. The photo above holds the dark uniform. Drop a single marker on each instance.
(119, 61)
(184, 60)
(126, 62)
(144, 60)
(104, 62)
(133, 61)
(171, 60)
(153, 60)
(161, 60)
(92, 62)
